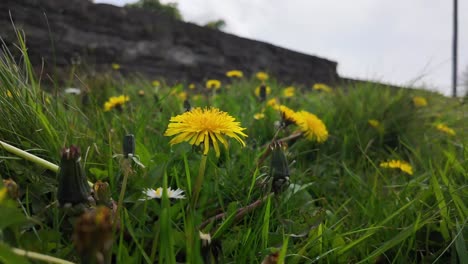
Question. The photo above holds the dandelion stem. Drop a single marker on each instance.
(126, 166)
(28, 156)
(199, 181)
(39, 256)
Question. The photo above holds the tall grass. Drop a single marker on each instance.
(341, 206)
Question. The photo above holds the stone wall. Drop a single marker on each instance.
(145, 42)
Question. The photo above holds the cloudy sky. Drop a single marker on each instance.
(402, 42)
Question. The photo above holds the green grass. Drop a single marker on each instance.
(341, 206)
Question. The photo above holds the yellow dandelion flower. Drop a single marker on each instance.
(398, 164)
(216, 84)
(259, 116)
(262, 76)
(115, 102)
(272, 102)
(312, 127)
(115, 66)
(419, 101)
(289, 91)
(287, 114)
(234, 74)
(9, 94)
(204, 125)
(373, 123)
(267, 90)
(447, 130)
(192, 86)
(322, 87)
(156, 83)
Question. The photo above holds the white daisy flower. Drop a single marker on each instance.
(157, 193)
(72, 90)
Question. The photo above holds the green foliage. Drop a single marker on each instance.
(341, 206)
(169, 9)
(219, 24)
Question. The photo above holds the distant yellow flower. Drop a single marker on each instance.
(234, 74)
(289, 91)
(312, 127)
(322, 87)
(213, 84)
(202, 125)
(419, 101)
(116, 102)
(191, 86)
(272, 102)
(156, 83)
(374, 123)
(141, 93)
(115, 66)
(262, 76)
(398, 164)
(182, 96)
(9, 94)
(445, 129)
(267, 90)
(259, 116)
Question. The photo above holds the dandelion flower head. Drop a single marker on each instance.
(156, 83)
(289, 91)
(447, 130)
(312, 127)
(322, 87)
(259, 116)
(419, 101)
(262, 76)
(210, 84)
(272, 102)
(398, 164)
(234, 74)
(287, 114)
(192, 86)
(373, 123)
(208, 125)
(115, 66)
(267, 90)
(115, 102)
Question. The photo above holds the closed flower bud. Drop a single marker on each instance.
(279, 168)
(92, 236)
(263, 93)
(129, 146)
(12, 188)
(73, 186)
(102, 193)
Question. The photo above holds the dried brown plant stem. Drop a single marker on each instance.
(240, 212)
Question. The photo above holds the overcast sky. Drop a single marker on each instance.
(398, 41)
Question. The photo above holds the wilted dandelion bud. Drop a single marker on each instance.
(271, 258)
(102, 193)
(73, 186)
(211, 250)
(187, 105)
(129, 146)
(12, 188)
(279, 168)
(263, 93)
(92, 236)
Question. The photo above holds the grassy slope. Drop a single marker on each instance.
(341, 206)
